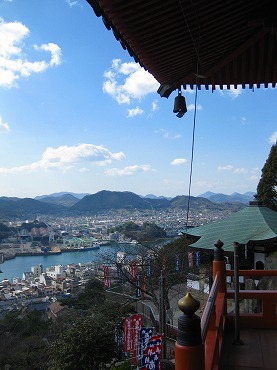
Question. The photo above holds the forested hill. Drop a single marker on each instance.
(105, 201)
(114, 200)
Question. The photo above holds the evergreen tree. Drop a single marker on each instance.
(267, 187)
(84, 345)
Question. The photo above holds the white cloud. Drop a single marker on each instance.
(116, 63)
(178, 161)
(71, 3)
(189, 91)
(128, 68)
(11, 35)
(4, 127)
(66, 157)
(155, 105)
(13, 65)
(234, 93)
(273, 138)
(240, 170)
(129, 170)
(190, 107)
(228, 167)
(140, 83)
(118, 156)
(243, 120)
(55, 51)
(128, 81)
(134, 112)
(254, 178)
(255, 170)
(168, 135)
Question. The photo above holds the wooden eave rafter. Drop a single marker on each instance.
(230, 43)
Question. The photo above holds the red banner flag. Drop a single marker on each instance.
(106, 276)
(143, 287)
(136, 326)
(134, 271)
(190, 259)
(127, 334)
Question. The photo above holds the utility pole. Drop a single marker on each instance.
(237, 341)
(1, 260)
(162, 313)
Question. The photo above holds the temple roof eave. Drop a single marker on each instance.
(204, 243)
(252, 224)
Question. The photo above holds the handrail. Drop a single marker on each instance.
(148, 312)
(213, 321)
(206, 355)
(258, 273)
(209, 307)
(266, 318)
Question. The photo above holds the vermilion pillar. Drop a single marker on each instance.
(219, 265)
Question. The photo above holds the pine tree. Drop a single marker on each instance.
(267, 187)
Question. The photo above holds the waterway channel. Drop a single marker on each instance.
(16, 266)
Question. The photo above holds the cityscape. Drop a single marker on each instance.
(138, 98)
(52, 236)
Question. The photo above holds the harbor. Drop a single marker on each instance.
(21, 263)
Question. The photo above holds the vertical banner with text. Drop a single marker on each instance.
(151, 359)
(136, 326)
(134, 271)
(127, 334)
(106, 276)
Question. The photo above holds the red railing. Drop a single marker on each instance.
(212, 324)
(267, 318)
(215, 316)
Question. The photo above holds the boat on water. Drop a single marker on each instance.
(81, 248)
(128, 242)
(103, 243)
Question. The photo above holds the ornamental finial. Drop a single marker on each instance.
(188, 305)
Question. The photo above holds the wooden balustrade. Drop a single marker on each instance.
(267, 318)
(212, 324)
(191, 356)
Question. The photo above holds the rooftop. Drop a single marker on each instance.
(182, 42)
(253, 223)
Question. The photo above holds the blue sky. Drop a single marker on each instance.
(78, 114)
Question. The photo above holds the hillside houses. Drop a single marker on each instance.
(38, 286)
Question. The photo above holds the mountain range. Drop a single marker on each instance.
(223, 198)
(67, 198)
(77, 204)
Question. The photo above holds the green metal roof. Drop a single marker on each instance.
(253, 223)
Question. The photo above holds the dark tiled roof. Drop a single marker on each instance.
(225, 42)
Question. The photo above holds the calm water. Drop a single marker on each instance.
(18, 265)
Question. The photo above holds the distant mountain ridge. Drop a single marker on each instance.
(104, 201)
(72, 198)
(22, 207)
(223, 198)
(62, 193)
(153, 196)
(66, 200)
(114, 200)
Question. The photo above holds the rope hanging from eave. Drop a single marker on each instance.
(192, 152)
(196, 49)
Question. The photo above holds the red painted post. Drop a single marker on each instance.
(189, 349)
(219, 265)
